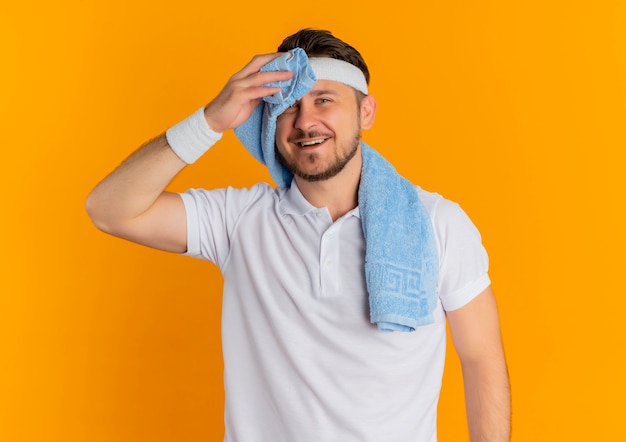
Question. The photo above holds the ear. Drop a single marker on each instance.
(368, 112)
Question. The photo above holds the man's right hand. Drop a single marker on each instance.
(243, 92)
(131, 202)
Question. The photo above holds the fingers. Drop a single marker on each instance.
(235, 103)
(257, 62)
(265, 78)
(251, 77)
(253, 83)
(261, 78)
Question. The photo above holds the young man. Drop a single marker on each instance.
(302, 360)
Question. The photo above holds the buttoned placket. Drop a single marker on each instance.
(329, 256)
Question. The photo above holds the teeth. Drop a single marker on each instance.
(311, 143)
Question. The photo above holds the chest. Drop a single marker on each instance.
(304, 263)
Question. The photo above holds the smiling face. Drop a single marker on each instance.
(320, 134)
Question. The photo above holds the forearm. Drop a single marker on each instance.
(488, 401)
(131, 202)
(476, 332)
(134, 186)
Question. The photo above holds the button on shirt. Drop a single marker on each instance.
(302, 362)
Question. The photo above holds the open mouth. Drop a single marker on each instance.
(311, 142)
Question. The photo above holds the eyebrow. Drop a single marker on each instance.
(323, 92)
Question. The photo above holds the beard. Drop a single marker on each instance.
(337, 165)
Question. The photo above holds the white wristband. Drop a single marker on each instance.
(192, 137)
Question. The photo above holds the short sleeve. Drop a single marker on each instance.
(463, 261)
(212, 217)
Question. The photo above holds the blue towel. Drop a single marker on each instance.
(258, 132)
(401, 258)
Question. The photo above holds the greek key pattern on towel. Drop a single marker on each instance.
(404, 285)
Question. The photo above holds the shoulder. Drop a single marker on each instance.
(229, 202)
(442, 211)
(463, 261)
(256, 192)
(448, 217)
(455, 232)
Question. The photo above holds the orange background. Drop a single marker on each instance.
(516, 110)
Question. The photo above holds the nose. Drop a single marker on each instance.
(306, 117)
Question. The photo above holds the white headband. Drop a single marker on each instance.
(338, 70)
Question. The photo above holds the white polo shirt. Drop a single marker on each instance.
(302, 362)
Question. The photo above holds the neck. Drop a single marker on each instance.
(339, 193)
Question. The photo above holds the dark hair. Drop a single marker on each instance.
(320, 43)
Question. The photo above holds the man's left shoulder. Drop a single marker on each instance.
(440, 209)
(431, 200)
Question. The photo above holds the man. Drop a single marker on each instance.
(302, 360)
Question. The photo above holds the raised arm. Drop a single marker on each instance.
(476, 334)
(131, 203)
